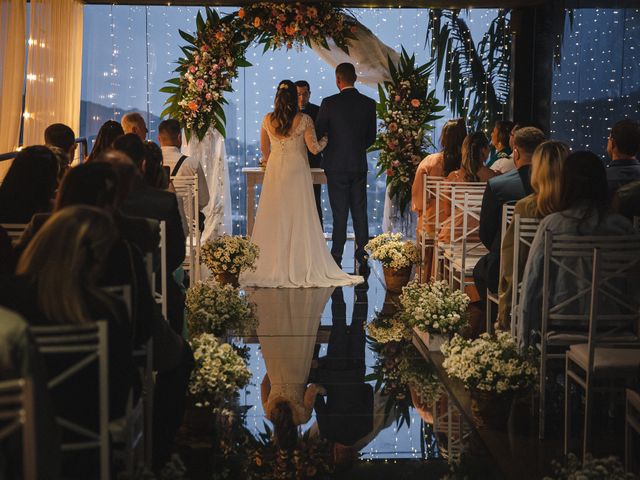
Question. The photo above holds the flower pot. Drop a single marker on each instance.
(491, 410)
(396, 278)
(198, 422)
(435, 341)
(390, 305)
(226, 278)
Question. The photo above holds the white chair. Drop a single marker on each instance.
(450, 422)
(632, 430)
(14, 230)
(89, 341)
(428, 226)
(187, 189)
(17, 412)
(615, 266)
(565, 319)
(524, 231)
(492, 298)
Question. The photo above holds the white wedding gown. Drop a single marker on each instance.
(293, 251)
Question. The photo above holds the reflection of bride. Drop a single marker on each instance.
(289, 321)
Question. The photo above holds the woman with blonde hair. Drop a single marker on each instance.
(546, 176)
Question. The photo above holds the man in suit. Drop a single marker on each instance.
(505, 188)
(349, 120)
(315, 161)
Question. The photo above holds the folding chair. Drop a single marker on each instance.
(187, 189)
(565, 320)
(14, 230)
(449, 421)
(428, 228)
(492, 298)
(604, 359)
(17, 412)
(90, 341)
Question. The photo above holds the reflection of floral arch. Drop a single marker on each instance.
(216, 52)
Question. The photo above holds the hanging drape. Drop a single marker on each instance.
(12, 51)
(54, 68)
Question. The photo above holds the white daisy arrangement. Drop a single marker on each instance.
(420, 377)
(214, 308)
(392, 251)
(610, 468)
(218, 373)
(230, 254)
(389, 329)
(490, 363)
(434, 307)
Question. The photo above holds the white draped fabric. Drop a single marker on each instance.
(366, 52)
(13, 35)
(54, 70)
(210, 152)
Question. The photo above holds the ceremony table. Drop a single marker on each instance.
(255, 176)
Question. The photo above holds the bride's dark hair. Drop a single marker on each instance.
(285, 108)
(284, 430)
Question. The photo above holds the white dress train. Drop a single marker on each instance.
(293, 251)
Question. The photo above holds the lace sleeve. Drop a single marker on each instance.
(310, 138)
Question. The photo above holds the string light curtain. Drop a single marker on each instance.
(12, 56)
(54, 69)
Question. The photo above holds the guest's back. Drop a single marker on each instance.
(623, 147)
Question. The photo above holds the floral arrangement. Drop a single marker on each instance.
(490, 363)
(609, 468)
(407, 109)
(230, 254)
(311, 458)
(392, 251)
(419, 375)
(287, 24)
(434, 307)
(210, 63)
(385, 329)
(218, 373)
(214, 308)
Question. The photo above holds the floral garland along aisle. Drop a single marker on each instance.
(213, 55)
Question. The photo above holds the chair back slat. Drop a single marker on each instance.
(14, 231)
(187, 190)
(524, 231)
(17, 413)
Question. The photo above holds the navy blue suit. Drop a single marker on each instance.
(349, 119)
(315, 161)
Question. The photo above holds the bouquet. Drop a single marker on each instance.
(218, 373)
(388, 329)
(228, 254)
(490, 363)
(609, 468)
(214, 308)
(392, 252)
(433, 307)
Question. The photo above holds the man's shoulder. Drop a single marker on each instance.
(506, 179)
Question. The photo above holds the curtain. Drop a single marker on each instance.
(12, 51)
(54, 68)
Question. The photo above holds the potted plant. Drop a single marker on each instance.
(384, 329)
(494, 371)
(214, 308)
(397, 258)
(227, 256)
(434, 310)
(609, 468)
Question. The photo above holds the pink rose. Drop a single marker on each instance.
(208, 96)
(415, 103)
(396, 163)
(393, 127)
(204, 48)
(398, 98)
(192, 69)
(200, 84)
(215, 67)
(389, 172)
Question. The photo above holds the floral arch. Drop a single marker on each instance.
(216, 52)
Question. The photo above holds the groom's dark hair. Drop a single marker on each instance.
(303, 84)
(346, 72)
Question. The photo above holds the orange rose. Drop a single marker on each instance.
(219, 36)
(241, 13)
(290, 29)
(193, 106)
(256, 22)
(312, 12)
(415, 103)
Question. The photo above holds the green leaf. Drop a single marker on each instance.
(200, 21)
(174, 81)
(170, 89)
(243, 63)
(189, 38)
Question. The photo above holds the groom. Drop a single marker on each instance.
(349, 119)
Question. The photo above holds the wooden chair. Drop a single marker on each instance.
(187, 189)
(492, 298)
(596, 365)
(17, 412)
(631, 430)
(14, 231)
(565, 320)
(90, 342)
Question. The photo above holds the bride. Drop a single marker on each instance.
(293, 251)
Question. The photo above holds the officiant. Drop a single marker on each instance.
(304, 94)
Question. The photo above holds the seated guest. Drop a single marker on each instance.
(508, 187)
(108, 132)
(56, 284)
(436, 165)
(153, 162)
(546, 172)
(626, 200)
(8, 256)
(500, 157)
(133, 122)
(623, 146)
(582, 211)
(29, 185)
(475, 150)
(60, 136)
